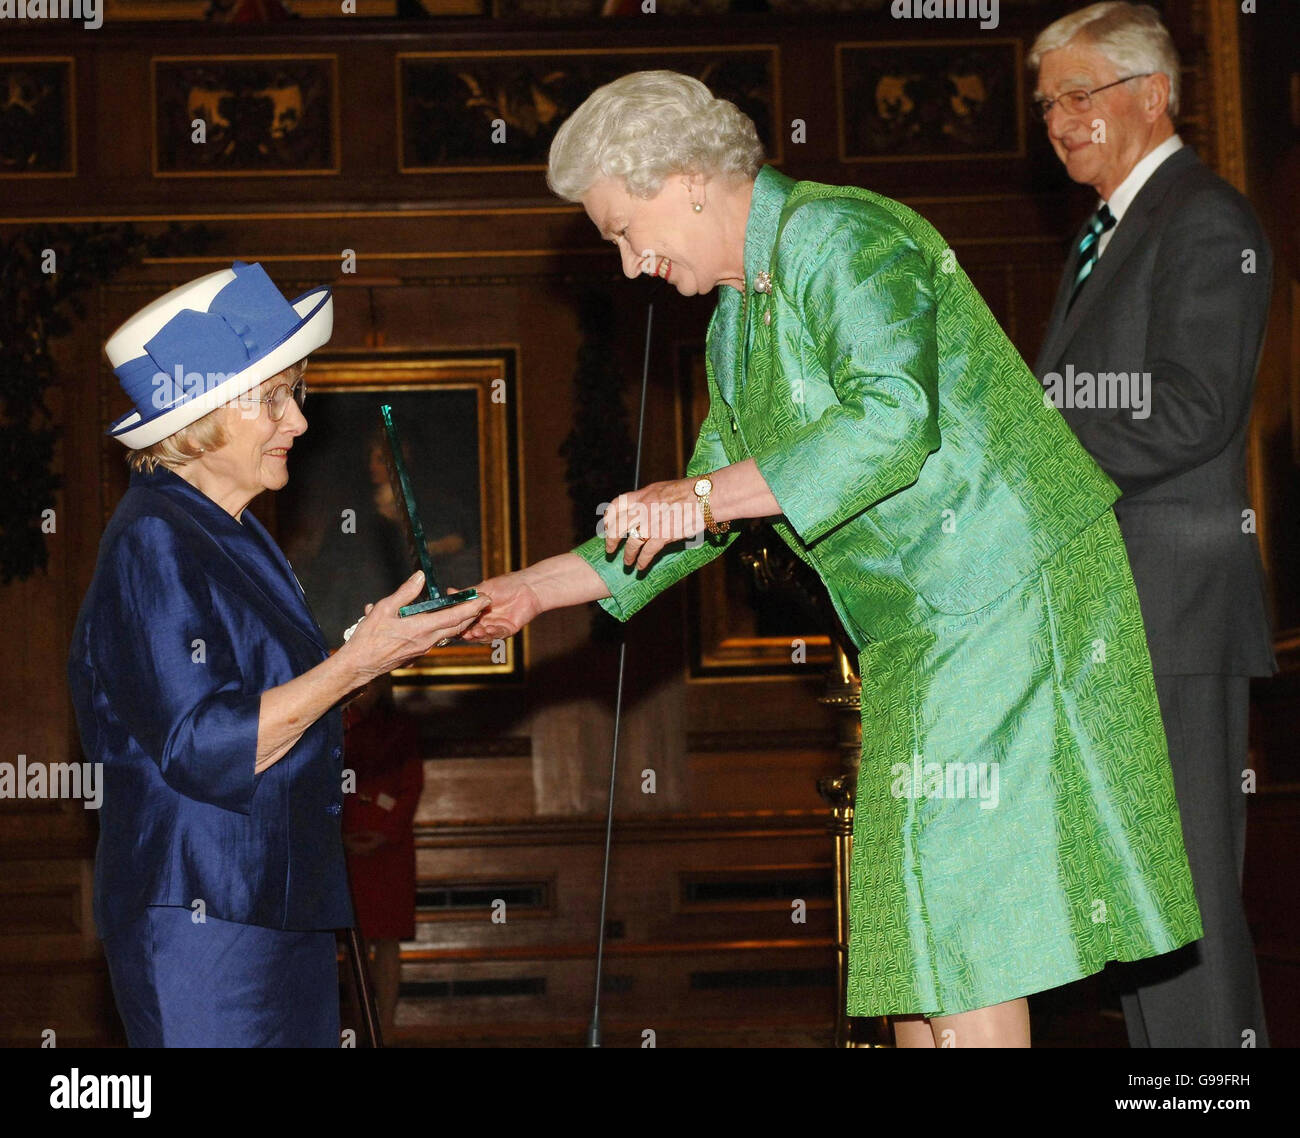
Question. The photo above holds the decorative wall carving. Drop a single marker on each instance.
(245, 115)
(37, 117)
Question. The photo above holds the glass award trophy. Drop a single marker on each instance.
(409, 516)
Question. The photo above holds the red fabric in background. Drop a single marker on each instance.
(384, 750)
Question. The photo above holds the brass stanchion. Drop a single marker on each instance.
(844, 694)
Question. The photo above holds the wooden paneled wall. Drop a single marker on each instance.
(515, 777)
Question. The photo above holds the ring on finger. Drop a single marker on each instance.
(634, 534)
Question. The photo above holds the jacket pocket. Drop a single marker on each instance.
(986, 555)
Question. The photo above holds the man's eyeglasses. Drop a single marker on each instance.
(1078, 102)
(278, 401)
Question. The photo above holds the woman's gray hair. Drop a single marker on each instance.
(1131, 36)
(646, 126)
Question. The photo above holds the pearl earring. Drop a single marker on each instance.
(698, 207)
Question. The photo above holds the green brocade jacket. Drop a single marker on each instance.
(918, 468)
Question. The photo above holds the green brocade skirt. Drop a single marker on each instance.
(1016, 834)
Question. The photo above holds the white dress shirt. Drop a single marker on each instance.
(1128, 189)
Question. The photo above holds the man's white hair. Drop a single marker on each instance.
(1131, 36)
(646, 126)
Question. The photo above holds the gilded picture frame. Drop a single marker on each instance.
(336, 520)
(737, 627)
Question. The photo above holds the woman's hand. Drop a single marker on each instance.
(664, 512)
(555, 583)
(651, 518)
(514, 603)
(382, 640)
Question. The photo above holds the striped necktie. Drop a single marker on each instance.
(1089, 248)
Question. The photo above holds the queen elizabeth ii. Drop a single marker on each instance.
(202, 683)
(862, 395)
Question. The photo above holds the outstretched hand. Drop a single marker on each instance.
(382, 640)
(513, 604)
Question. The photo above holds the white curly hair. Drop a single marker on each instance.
(646, 126)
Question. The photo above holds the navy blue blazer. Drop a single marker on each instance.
(190, 617)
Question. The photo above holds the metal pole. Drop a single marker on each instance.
(593, 1028)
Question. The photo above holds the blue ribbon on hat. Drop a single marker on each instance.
(245, 321)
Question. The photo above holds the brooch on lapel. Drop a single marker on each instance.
(763, 284)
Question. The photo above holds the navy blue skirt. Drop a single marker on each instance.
(222, 984)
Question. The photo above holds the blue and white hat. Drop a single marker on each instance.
(208, 342)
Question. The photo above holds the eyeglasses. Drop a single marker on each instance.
(1078, 102)
(278, 401)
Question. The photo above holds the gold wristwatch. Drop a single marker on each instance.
(703, 488)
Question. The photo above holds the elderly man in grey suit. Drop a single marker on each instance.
(1151, 355)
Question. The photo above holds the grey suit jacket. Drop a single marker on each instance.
(1169, 308)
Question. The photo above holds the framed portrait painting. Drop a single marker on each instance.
(338, 520)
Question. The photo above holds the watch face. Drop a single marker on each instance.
(703, 486)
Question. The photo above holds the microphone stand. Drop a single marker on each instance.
(593, 1028)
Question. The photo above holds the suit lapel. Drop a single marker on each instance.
(1132, 227)
(242, 553)
(772, 191)
(1122, 242)
(1047, 354)
(721, 354)
(276, 579)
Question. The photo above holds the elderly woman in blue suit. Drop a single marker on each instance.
(203, 685)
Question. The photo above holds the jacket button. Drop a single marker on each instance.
(338, 752)
(334, 808)
(734, 427)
